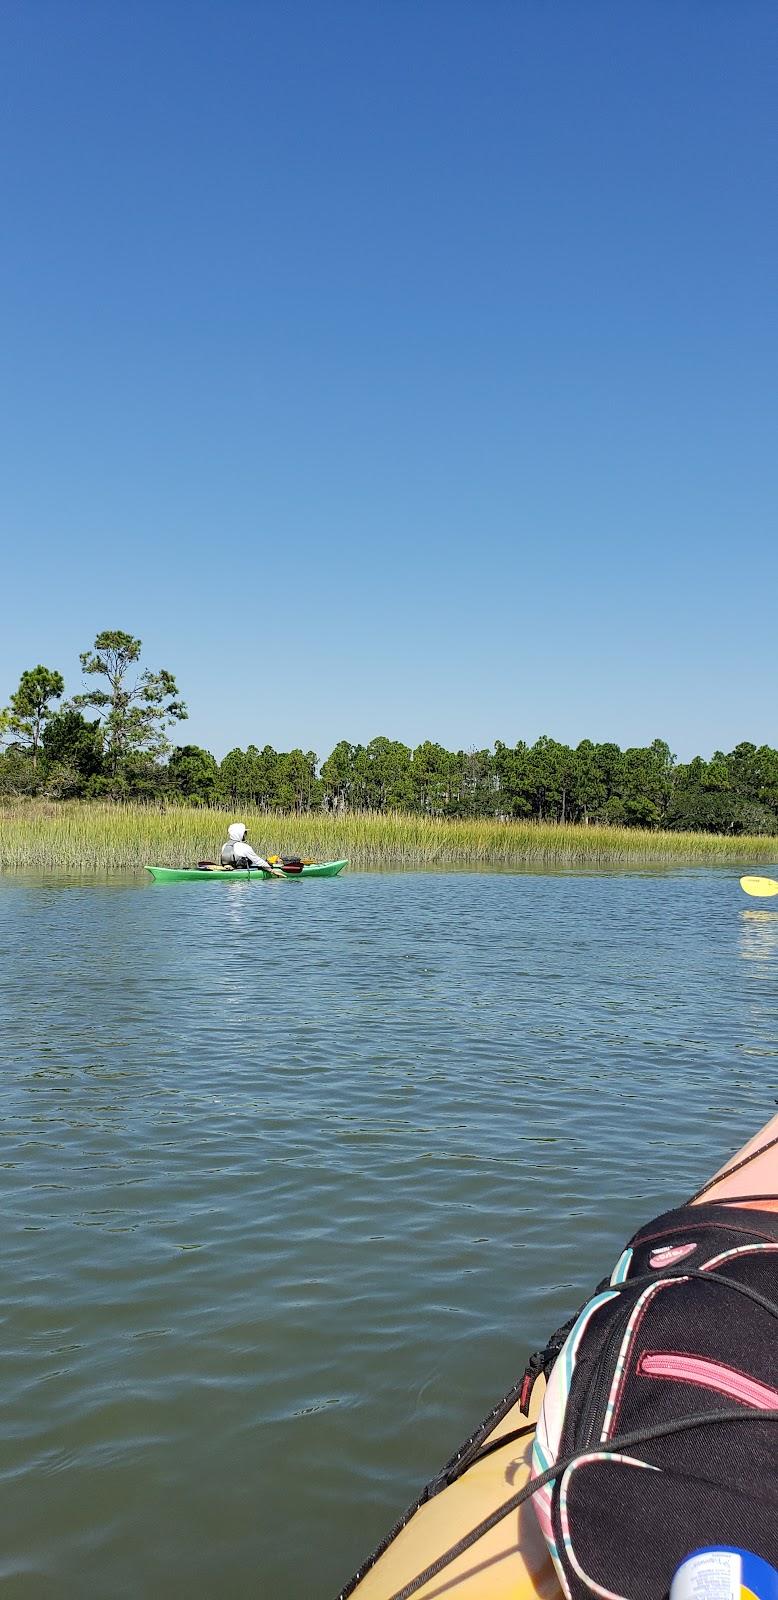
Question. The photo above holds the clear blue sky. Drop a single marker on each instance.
(392, 367)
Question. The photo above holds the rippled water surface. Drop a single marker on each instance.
(293, 1174)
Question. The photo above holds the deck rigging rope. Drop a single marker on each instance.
(476, 1449)
(619, 1442)
(729, 1172)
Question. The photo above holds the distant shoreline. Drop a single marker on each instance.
(102, 836)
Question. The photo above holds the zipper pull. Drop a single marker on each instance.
(532, 1371)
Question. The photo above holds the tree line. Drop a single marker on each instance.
(54, 747)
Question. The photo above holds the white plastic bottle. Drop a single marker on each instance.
(724, 1572)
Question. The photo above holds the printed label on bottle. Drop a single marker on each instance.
(713, 1575)
(724, 1574)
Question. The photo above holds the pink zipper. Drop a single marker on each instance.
(709, 1375)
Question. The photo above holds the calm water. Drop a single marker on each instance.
(293, 1174)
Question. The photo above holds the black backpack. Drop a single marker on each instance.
(657, 1433)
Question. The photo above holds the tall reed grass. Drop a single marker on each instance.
(103, 837)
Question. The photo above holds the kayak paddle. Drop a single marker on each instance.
(760, 888)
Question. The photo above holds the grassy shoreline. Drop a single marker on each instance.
(97, 836)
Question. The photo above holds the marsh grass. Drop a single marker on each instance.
(102, 837)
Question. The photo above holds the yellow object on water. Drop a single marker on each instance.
(761, 888)
(307, 861)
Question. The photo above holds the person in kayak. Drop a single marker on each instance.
(236, 852)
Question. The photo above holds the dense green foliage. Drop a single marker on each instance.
(124, 754)
(134, 714)
(29, 709)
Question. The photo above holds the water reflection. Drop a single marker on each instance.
(759, 940)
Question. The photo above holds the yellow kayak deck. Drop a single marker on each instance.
(511, 1561)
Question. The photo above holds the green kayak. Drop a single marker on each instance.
(325, 869)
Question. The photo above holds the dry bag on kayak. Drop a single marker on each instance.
(661, 1407)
